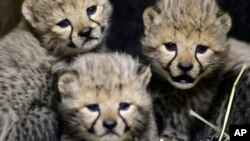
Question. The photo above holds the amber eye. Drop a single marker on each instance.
(201, 49)
(93, 107)
(124, 106)
(91, 10)
(64, 23)
(170, 46)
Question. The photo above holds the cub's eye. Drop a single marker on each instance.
(93, 107)
(201, 49)
(91, 10)
(170, 46)
(64, 23)
(124, 106)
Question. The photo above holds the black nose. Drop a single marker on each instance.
(85, 32)
(185, 66)
(109, 124)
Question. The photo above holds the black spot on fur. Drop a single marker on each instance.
(5, 110)
(4, 88)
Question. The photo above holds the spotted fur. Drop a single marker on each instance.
(104, 98)
(25, 102)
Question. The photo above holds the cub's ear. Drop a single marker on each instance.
(151, 16)
(68, 84)
(27, 11)
(145, 74)
(225, 21)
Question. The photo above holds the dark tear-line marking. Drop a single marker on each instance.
(92, 129)
(201, 67)
(125, 122)
(102, 28)
(71, 43)
(168, 65)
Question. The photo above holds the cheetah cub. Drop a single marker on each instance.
(104, 98)
(52, 29)
(186, 45)
(67, 27)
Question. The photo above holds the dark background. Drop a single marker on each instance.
(240, 13)
(10, 15)
(127, 26)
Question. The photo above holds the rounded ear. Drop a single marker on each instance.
(68, 84)
(145, 74)
(27, 11)
(151, 16)
(225, 21)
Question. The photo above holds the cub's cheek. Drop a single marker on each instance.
(164, 55)
(129, 115)
(63, 33)
(205, 60)
(88, 117)
(174, 70)
(98, 16)
(164, 58)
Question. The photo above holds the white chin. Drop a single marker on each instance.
(109, 137)
(183, 86)
(91, 44)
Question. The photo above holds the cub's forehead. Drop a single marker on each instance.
(44, 6)
(53, 11)
(82, 3)
(111, 94)
(109, 83)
